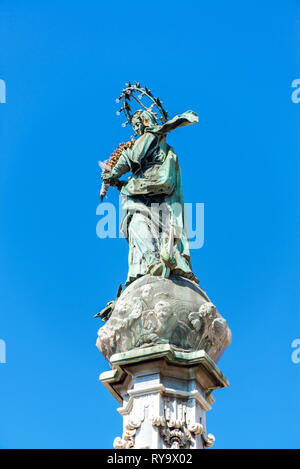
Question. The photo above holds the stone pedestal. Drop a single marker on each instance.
(163, 338)
(164, 394)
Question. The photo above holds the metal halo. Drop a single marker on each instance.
(160, 114)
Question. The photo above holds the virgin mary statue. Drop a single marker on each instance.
(154, 222)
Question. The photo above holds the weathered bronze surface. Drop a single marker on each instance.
(162, 303)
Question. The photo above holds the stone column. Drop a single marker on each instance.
(163, 339)
(164, 395)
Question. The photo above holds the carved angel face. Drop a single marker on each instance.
(208, 310)
(121, 308)
(162, 309)
(195, 320)
(147, 293)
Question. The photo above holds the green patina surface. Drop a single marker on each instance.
(162, 305)
(156, 179)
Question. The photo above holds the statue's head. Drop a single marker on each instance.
(141, 120)
(151, 109)
(137, 123)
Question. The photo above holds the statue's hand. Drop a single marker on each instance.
(106, 176)
(120, 184)
(116, 183)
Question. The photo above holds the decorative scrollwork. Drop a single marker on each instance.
(128, 437)
(176, 433)
(208, 440)
(177, 437)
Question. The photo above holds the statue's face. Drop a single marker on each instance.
(138, 126)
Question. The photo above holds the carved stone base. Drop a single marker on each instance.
(164, 394)
(155, 310)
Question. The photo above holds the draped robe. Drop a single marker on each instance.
(153, 199)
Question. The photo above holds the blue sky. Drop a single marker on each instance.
(64, 63)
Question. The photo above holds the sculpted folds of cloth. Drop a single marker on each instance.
(153, 200)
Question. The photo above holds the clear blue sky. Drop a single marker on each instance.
(64, 63)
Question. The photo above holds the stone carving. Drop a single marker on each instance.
(177, 433)
(213, 329)
(176, 438)
(158, 421)
(158, 311)
(196, 428)
(208, 440)
(128, 437)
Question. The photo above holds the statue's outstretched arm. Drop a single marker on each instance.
(187, 118)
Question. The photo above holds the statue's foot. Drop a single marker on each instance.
(156, 269)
